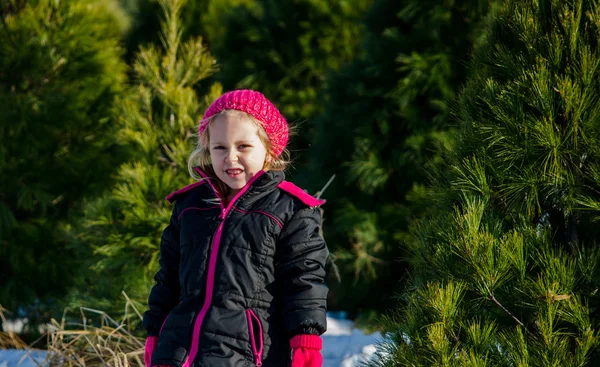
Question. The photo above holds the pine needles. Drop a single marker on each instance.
(507, 275)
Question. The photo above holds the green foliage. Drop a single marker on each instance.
(60, 73)
(385, 119)
(121, 231)
(198, 17)
(522, 240)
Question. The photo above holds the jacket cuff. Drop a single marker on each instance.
(306, 341)
(312, 330)
(295, 321)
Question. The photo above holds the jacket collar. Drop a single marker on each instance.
(261, 182)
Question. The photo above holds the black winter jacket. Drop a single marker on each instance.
(236, 282)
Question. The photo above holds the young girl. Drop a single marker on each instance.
(241, 279)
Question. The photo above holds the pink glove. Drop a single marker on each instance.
(151, 342)
(306, 351)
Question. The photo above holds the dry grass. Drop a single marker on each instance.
(97, 340)
(110, 343)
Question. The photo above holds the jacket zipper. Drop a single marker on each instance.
(212, 262)
(257, 350)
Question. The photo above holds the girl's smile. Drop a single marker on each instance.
(234, 173)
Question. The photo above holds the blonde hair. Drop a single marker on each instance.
(200, 157)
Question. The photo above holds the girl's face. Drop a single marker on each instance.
(236, 151)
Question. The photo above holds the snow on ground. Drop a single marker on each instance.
(343, 346)
(21, 358)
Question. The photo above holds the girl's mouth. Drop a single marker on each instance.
(233, 172)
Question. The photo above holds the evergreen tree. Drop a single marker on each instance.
(197, 16)
(159, 119)
(60, 73)
(386, 114)
(507, 272)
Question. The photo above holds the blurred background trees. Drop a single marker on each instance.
(384, 120)
(61, 72)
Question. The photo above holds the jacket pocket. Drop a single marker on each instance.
(256, 336)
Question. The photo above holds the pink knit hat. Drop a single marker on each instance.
(257, 105)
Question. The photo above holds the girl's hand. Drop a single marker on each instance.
(306, 351)
(151, 342)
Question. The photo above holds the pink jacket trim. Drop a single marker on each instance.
(294, 190)
(170, 197)
(260, 212)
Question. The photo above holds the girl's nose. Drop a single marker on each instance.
(232, 156)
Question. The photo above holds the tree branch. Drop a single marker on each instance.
(493, 299)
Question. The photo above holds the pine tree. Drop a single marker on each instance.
(195, 19)
(507, 272)
(386, 114)
(60, 74)
(159, 119)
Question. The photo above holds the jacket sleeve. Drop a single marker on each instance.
(165, 293)
(300, 271)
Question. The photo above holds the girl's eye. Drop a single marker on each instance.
(245, 146)
(219, 147)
